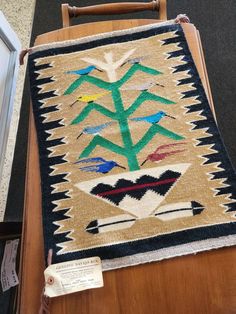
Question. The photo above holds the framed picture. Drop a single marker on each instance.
(9, 62)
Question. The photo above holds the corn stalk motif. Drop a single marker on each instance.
(129, 149)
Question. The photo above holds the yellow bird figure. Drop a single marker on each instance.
(89, 98)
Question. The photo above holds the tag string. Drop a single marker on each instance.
(23, 53)
(45, 301)
(182, 18)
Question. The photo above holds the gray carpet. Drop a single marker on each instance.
(216, 21)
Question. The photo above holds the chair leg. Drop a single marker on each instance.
(162, 10)
(65, 15)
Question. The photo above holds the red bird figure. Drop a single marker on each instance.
(157, 155)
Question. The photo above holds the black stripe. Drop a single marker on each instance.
(153, 244)
(104, 42)
(174, 210)
(112, 223)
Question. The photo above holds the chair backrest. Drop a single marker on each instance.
(69, 12)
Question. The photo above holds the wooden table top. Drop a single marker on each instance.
(202, 283)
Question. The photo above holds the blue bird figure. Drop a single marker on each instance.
(104, 167)
(94, 130)
(83, 71)
(154, 118)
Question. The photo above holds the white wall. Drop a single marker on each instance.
(4, 61)
(20, 16)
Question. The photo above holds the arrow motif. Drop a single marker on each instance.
(163, 213)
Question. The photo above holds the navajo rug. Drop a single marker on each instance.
(133, 169)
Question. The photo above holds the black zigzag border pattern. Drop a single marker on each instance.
(213, 138)
(139, 246)
(49, 217)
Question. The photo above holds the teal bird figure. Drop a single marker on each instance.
(83, 71)
(154, 118)
(94, 130)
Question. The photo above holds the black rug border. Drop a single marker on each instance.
(138, 246)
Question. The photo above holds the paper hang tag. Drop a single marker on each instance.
(8, 267)
(73, 276)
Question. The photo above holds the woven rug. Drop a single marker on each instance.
(133, 169)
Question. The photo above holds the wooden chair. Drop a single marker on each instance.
(161, 282)
(69, 12)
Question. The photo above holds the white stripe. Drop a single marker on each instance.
(174, 251)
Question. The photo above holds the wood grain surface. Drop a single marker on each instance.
(69, 12)
(202, 283)
(114, 8)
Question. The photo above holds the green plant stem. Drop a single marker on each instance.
(87, 78)
(145, 96)
(125, 132)
(90, 107)
(103, 142)
(134, 68)
(152, 131)
(129, 150)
